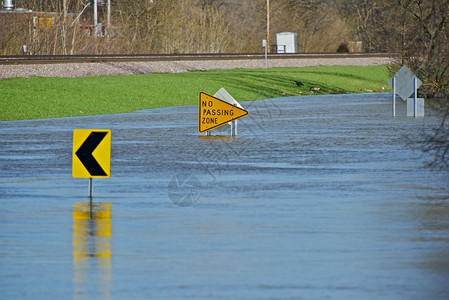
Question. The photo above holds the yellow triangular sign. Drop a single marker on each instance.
(214, 112)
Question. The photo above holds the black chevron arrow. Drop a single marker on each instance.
(84, 153)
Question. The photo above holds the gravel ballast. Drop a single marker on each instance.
(128, 68)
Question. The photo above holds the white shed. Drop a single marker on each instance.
(286, 42)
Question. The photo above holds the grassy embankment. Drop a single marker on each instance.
(39, 97)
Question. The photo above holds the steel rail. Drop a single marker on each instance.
(104, 58)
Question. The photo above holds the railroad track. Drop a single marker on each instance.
(52, 59)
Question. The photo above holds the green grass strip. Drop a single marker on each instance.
(43, 97)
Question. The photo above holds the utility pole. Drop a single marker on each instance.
(268, 25)
(95, 17)
(108, 22)
(64, 25)
(109, 14)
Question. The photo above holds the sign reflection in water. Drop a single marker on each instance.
(92, 249)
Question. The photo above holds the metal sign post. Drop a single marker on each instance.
(394, 97)
(223, 94)
(264, 44)
(234, 128)
(91, 155)
(404, 84)
(90, 188)
(415, 101)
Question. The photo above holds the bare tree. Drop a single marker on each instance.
(206, 29)
(429, 49)
(436, 141)
(319, 25)
(418, 29)
(173, 26)
(13, 34)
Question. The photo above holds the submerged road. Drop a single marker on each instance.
(318, 197)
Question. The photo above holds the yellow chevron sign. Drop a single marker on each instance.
(91, 155)
(214, 112)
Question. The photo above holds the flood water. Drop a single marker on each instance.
(321, 197)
